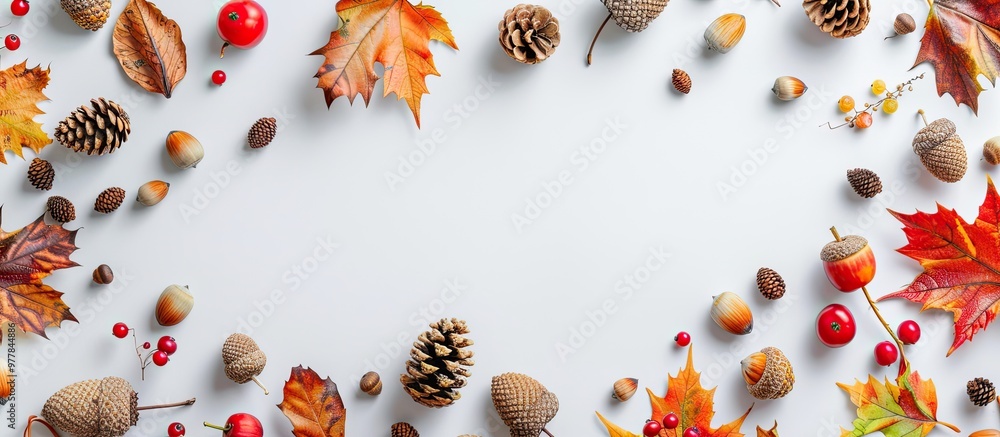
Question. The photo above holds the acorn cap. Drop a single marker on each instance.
(243, 358)
(635, 15)
(768, 374)
(523, 404)
(94, 408)
(838, 250)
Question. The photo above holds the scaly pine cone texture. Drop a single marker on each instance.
(61, 209)
(88, 14)
(839, 18)
(529, 33)
(94, 408)
(681, 81)
(523, 404)
(438, 364)
(41, 174)
(109, 200)
(95, 130)
(770, 283)
(403, 429)
(635, 15)
(243, 358)
(262, 132)
(981, 391)
(864, 182)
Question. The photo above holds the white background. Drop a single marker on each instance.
(524, 290)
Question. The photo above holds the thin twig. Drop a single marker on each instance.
(547, 432)
(171, 405)
(591, 51)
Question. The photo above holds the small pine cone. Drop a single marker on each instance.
(41, 174)
(529, 33)
(403, 429)
(839, 18)
(61, 209)
(770, 283)
(864, 182)
(635, 15)
(109, 200)
(97, 129)
(88, 14)
(243, 358)
(681, 81)
(981, 391)
(262, 132)
(439, 364)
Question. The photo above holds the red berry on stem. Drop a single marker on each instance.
(835, 325)
(219, 77)
(670, 421)
(160, 358)
(19, 7)
(12, 42)
(146, 345)
(242, 24)
(651, 429)
(908, 332)
(886, 353)
(176, 429)
(167, 345)
(682, 338)
(691, 432)
(120, 330)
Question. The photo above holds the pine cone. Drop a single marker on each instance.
(529, 33)
(109, 200)
(681, 81)
(403, 429)
(839, 18)
(523, 404)
(95, 131)
(88, 14)
(262, 132)
(941, 150)
(635, 15)
(243, 358)
(41, 174)
(770, 283)
(438, 364)
(981, 391)
(864, 182)
(94, 408)
(61, 209)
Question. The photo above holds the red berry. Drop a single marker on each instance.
(670, 421)
(242, 24)
(160, 358)
(682, 338)
(167, 345)
(120, 330)
(886, 353)
(19, 7)
(835, 325)
(146, 345)
(908, 332)
(12, 42)
(219, 77)
(652, 428)
(691, 432)
(176, 429)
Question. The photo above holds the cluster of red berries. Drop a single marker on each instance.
(176, 429)
(19, 8)
(165, 347)
(670, 421)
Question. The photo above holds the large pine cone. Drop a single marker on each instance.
(635, 15)
(438, 364)
(94, 408)
(529, 33)
(839, 18)
(88, 14)
(97, 130)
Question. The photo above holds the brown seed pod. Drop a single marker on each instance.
(243, 359)
(681, 81)
(152, 192)
(103, 275)
(403, 429)
(770, 284)
(631, 15)
(184, 149)
(262, 132)
(768, 374)
(41, 174)
(371, 383)
(523, 403)
(981, 392)
(941, 150)
(109, 200)
(529, 34)
(864, 182)
(174, 305)
(731, 313)
(61, 209)
(991, 151)
(624, 389)
(903, 25)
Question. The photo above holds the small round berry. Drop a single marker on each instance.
(691, 432)
(846, 104)
(889, 106)
(682, 338)
(864, 120)
(120, 330)
(19, 8)
(146, 345)
(160, 358)
(176, 429)
(670, 421)
(878, 87)
(167, 345)
(651, 429)
(886, 353)
(219, 77)
(12, 42)
(908, 332)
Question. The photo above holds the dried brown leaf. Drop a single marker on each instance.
(149, 47)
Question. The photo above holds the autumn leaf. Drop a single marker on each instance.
(962, 40)
(313, 405)
(149, 47)
(692, 403)
(27, 256)
(20, 91)
(961, 264)
(393, 33)
(907, 408)
(773, 432)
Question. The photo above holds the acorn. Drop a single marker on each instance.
(731, 313)
(624, 389)
(243, 359)
(991, 150)
(849, 262)
(725, 32)
(403, 429)
(788, 88)
(184, 149)
(903, 25)
(103, 275)
(768, 374)
(941, 149)
(371, 383)
(152, 192)
(174, 305)
(4, 382)
(523, 403)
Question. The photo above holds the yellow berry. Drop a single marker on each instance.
(846, 104)
(890, 106)
(878, 87)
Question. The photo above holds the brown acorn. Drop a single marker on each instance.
(941, 149)
(4, 382)
(631, 15)
(152, 192)
(624, 389)
(371, 383)
(174, 305)
(768, 374)
(523, 403)
(731, 313)
(184, 149)
(991, 151)
(903, 25)
(243, 359)
(103, 275)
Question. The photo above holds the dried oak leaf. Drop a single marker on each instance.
(961, 264)
(20, 91)
(773, 432)
(393, 33)
(962, 40)
(27, 256)
(149, 47)
(906, 408)
(691, 402)
(313, 405)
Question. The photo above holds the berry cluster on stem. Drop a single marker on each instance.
(862, 118)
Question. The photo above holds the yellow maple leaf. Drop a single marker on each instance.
(20, 91)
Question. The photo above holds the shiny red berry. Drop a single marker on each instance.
(670, 421)
(651, 429)
(886, 353)
(682, 338)
(120, 330)
(12, 42)
(219, 77)
(176, 429)
(19, 8)
(908, 332)
(691, 432)
(167, 345)
(160, 358)
(146, 345)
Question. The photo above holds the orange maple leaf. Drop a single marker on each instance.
(692, 403)
(961, 264)
(907, 408)
(27, 256)
(313, 405)
(962, 40)
(393, 33)
(20, 91)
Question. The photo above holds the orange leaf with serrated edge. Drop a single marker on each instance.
(907, 408)
(961, 264)
(394, 33)
(962, 41)
(313, 405)
(692, 403)
(20, 91)
(27, 256)
(773, 432)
